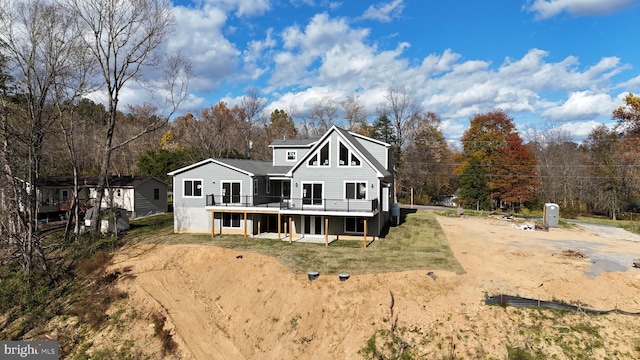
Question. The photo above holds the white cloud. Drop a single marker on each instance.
(544, 9)
(199, 38)
(243, 8)
(581, 105)
(384, 12)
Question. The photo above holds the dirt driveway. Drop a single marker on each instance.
(221, 307)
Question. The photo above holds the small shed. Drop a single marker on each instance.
(114, 220)
(550, 214)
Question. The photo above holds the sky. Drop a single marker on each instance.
(550, 64)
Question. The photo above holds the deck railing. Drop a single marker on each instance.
(283, 203)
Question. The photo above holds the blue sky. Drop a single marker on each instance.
(550, 64)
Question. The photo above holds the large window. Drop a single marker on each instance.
(355, 190)
(347, 157)
(354, 225)
(192, 188)
(231, 192)
(321, 157)
(231, 220)
(312, 193)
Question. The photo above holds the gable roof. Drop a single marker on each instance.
(113, 181)
(349, 138)
(293, 143)
(248, 167)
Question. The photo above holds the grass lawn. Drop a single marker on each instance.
(418, 243)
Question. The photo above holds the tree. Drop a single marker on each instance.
(159, 162)
(474, 187)
(323, 115)
(124, 37)
(607, 185)
(252, 106)
(403, 108)
(355, 114)
(516, 179)
(383, 130)
(39, 44)
(427, 160)
(280, 126)
(628, 116)
(493, 141)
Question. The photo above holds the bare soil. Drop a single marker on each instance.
(219, 306)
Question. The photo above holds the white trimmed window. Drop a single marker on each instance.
(354, 225)
(355, 190)
(346, 157)
(292, 155)
(230, 220)
(192, 188)
(321, 157)
(255, 186)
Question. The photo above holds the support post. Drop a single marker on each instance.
(245, 224)
(213, 224)
(365, 233)
(279, 223)
(290, 231)
(326, 231)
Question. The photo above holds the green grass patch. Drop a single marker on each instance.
(418, 243)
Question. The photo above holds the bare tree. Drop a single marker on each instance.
(355, 114)
(323, 115)
(38, 40)
(252, 106)
(125, 36)
(403, 108)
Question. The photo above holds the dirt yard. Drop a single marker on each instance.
(219, 306)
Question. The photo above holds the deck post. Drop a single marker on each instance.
(365, 233)
(245, 224)
(326, 231)
(279, 223)
(259, 218)
(290, 231)
(213, 224)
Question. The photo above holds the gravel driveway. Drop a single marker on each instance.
(608, 231)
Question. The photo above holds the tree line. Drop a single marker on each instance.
(55, 54)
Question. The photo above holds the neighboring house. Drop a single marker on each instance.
(338, 185)
(140, 195)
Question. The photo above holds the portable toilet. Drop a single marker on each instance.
(550, 214)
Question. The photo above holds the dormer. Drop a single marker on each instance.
(287, 152)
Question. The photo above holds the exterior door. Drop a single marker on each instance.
(231, 192)
(312, 194)
(313, 225)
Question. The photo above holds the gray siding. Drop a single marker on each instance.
(144, 203)
(280, 155)
(189, 213)
(378, 151)
(333, 176)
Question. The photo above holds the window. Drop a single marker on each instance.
(356, 190)
(118, 192)
(231, 192)
(192, 188)
(156, 194)
(268, 186)
(347, 157)
(324, 155)
(255, 186)
(292, 155)
(312, 193)
(320, 158)
(354, 225)
(231, 220)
